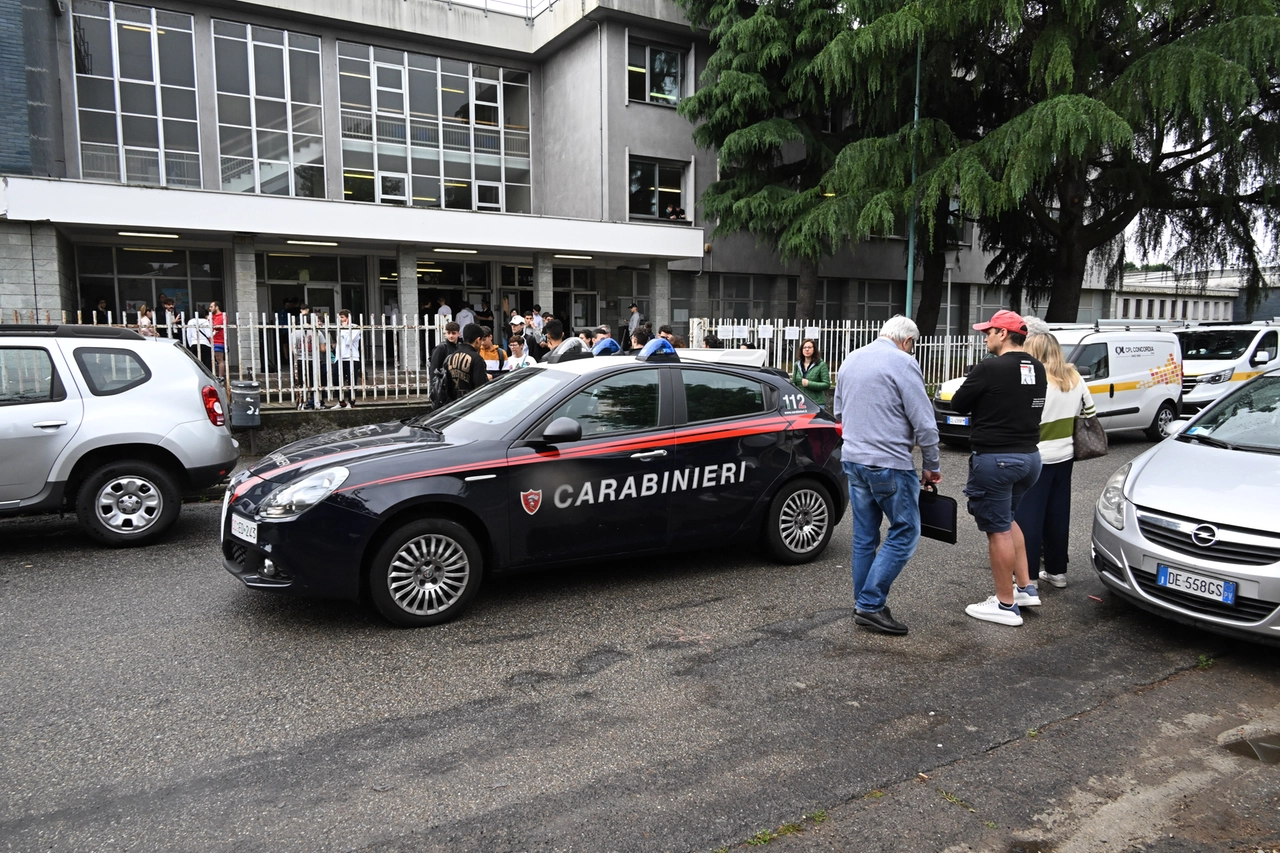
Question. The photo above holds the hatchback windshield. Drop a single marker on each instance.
(493, 409)
(1215, 344)
(1248, 419)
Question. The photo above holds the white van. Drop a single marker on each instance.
(1134, 375)
(1217, 358)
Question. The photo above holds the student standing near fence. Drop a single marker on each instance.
(349, 365)
(810, 373)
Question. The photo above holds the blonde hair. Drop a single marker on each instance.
(1045, 349)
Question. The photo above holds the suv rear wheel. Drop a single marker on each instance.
(128, 503)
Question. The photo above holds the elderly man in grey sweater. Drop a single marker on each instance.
(885, 412)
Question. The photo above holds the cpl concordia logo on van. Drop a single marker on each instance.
(1144, 350)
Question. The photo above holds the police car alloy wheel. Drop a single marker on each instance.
(425, 573)
(800, 521)
(127, 503)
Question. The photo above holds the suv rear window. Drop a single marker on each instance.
(27, 376)
(111, 371)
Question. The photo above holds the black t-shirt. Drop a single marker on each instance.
(467, 370)
(1005, 396)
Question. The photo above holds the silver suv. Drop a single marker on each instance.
(112, 424)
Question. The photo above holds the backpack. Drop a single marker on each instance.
(441, 388)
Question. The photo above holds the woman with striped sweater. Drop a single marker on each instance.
(1045, 512)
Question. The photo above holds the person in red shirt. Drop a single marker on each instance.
(219, 322)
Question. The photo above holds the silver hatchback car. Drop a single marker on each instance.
(110, 424)
(1190, 529)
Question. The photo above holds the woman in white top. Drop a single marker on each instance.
(146, 325)
(1045, 512)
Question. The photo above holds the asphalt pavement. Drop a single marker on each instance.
(704, 701)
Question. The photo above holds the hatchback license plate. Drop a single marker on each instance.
(1224, 591)
(955, 420)
(244, 529)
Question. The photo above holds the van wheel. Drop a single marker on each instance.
(801, 519)
(425, 573)
(1164, 416)
(128, 503)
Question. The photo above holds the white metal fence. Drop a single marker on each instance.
(941, 357)
(301, 361)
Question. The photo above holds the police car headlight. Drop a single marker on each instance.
(296, 498)
(1215, 378)
(1111, 502)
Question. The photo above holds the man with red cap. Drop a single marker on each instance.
(1005, 397)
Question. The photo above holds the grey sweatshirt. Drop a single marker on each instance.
(884, 409)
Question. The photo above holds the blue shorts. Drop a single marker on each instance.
(997, 482)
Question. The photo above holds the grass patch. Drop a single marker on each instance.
(764, 836)
(1206, 662)
(952, 798)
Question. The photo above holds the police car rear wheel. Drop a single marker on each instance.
(425, 573)
(800, 521)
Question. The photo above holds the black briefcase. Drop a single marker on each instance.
(937, 515)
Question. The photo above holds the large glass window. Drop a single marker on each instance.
(27, 376)
(429, 132)
(654, 73)
(116, 282)
(656, 190)
(270, 118)
(740, 297)
(135, 95)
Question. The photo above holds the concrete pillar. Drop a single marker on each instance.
(659, 293)
(410, 310)
(542, 288)
(36, 274)
(244, 346)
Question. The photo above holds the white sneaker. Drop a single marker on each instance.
(1027, 596)
(1055, 581)
(992, 610)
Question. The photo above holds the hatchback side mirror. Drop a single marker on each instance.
(562, 431)
(1175, 427)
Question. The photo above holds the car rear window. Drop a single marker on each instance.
(710, 395)
(27, 376)
(111, 371)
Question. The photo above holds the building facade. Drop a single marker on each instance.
(378, 155)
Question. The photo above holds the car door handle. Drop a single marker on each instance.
(649, 454)
(49, 424)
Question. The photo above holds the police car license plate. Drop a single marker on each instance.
(1224, 591)
(956, 420)
(244, 529)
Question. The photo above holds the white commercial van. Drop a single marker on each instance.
(1217, 358)
(1134, 375)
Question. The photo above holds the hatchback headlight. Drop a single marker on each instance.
(1111, 502)
(1215, 378)
(294, 499)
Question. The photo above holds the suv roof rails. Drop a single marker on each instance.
(70, 331)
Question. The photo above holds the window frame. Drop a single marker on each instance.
(594, 381)
(649, 47)
(768, 396)
(161, 151)
(57, 389)
(79, 354)
(658, 164)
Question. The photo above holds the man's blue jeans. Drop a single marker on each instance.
(873, 494)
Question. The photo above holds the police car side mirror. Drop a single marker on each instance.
(562, 431)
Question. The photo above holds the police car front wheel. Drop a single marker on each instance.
(425, 573)
(801, 518)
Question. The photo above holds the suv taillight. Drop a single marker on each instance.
(213, 405)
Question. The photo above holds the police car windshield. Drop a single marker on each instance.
(490, 411)
(1247, 419)
(1215, 344)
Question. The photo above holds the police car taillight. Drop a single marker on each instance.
(213, 405)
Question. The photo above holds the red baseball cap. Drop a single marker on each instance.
(1010, 321)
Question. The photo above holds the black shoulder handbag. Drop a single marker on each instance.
(937, 515)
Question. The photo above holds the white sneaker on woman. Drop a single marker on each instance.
(992, 610)
(1056, 581)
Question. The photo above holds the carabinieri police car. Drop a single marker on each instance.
(551, 464)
